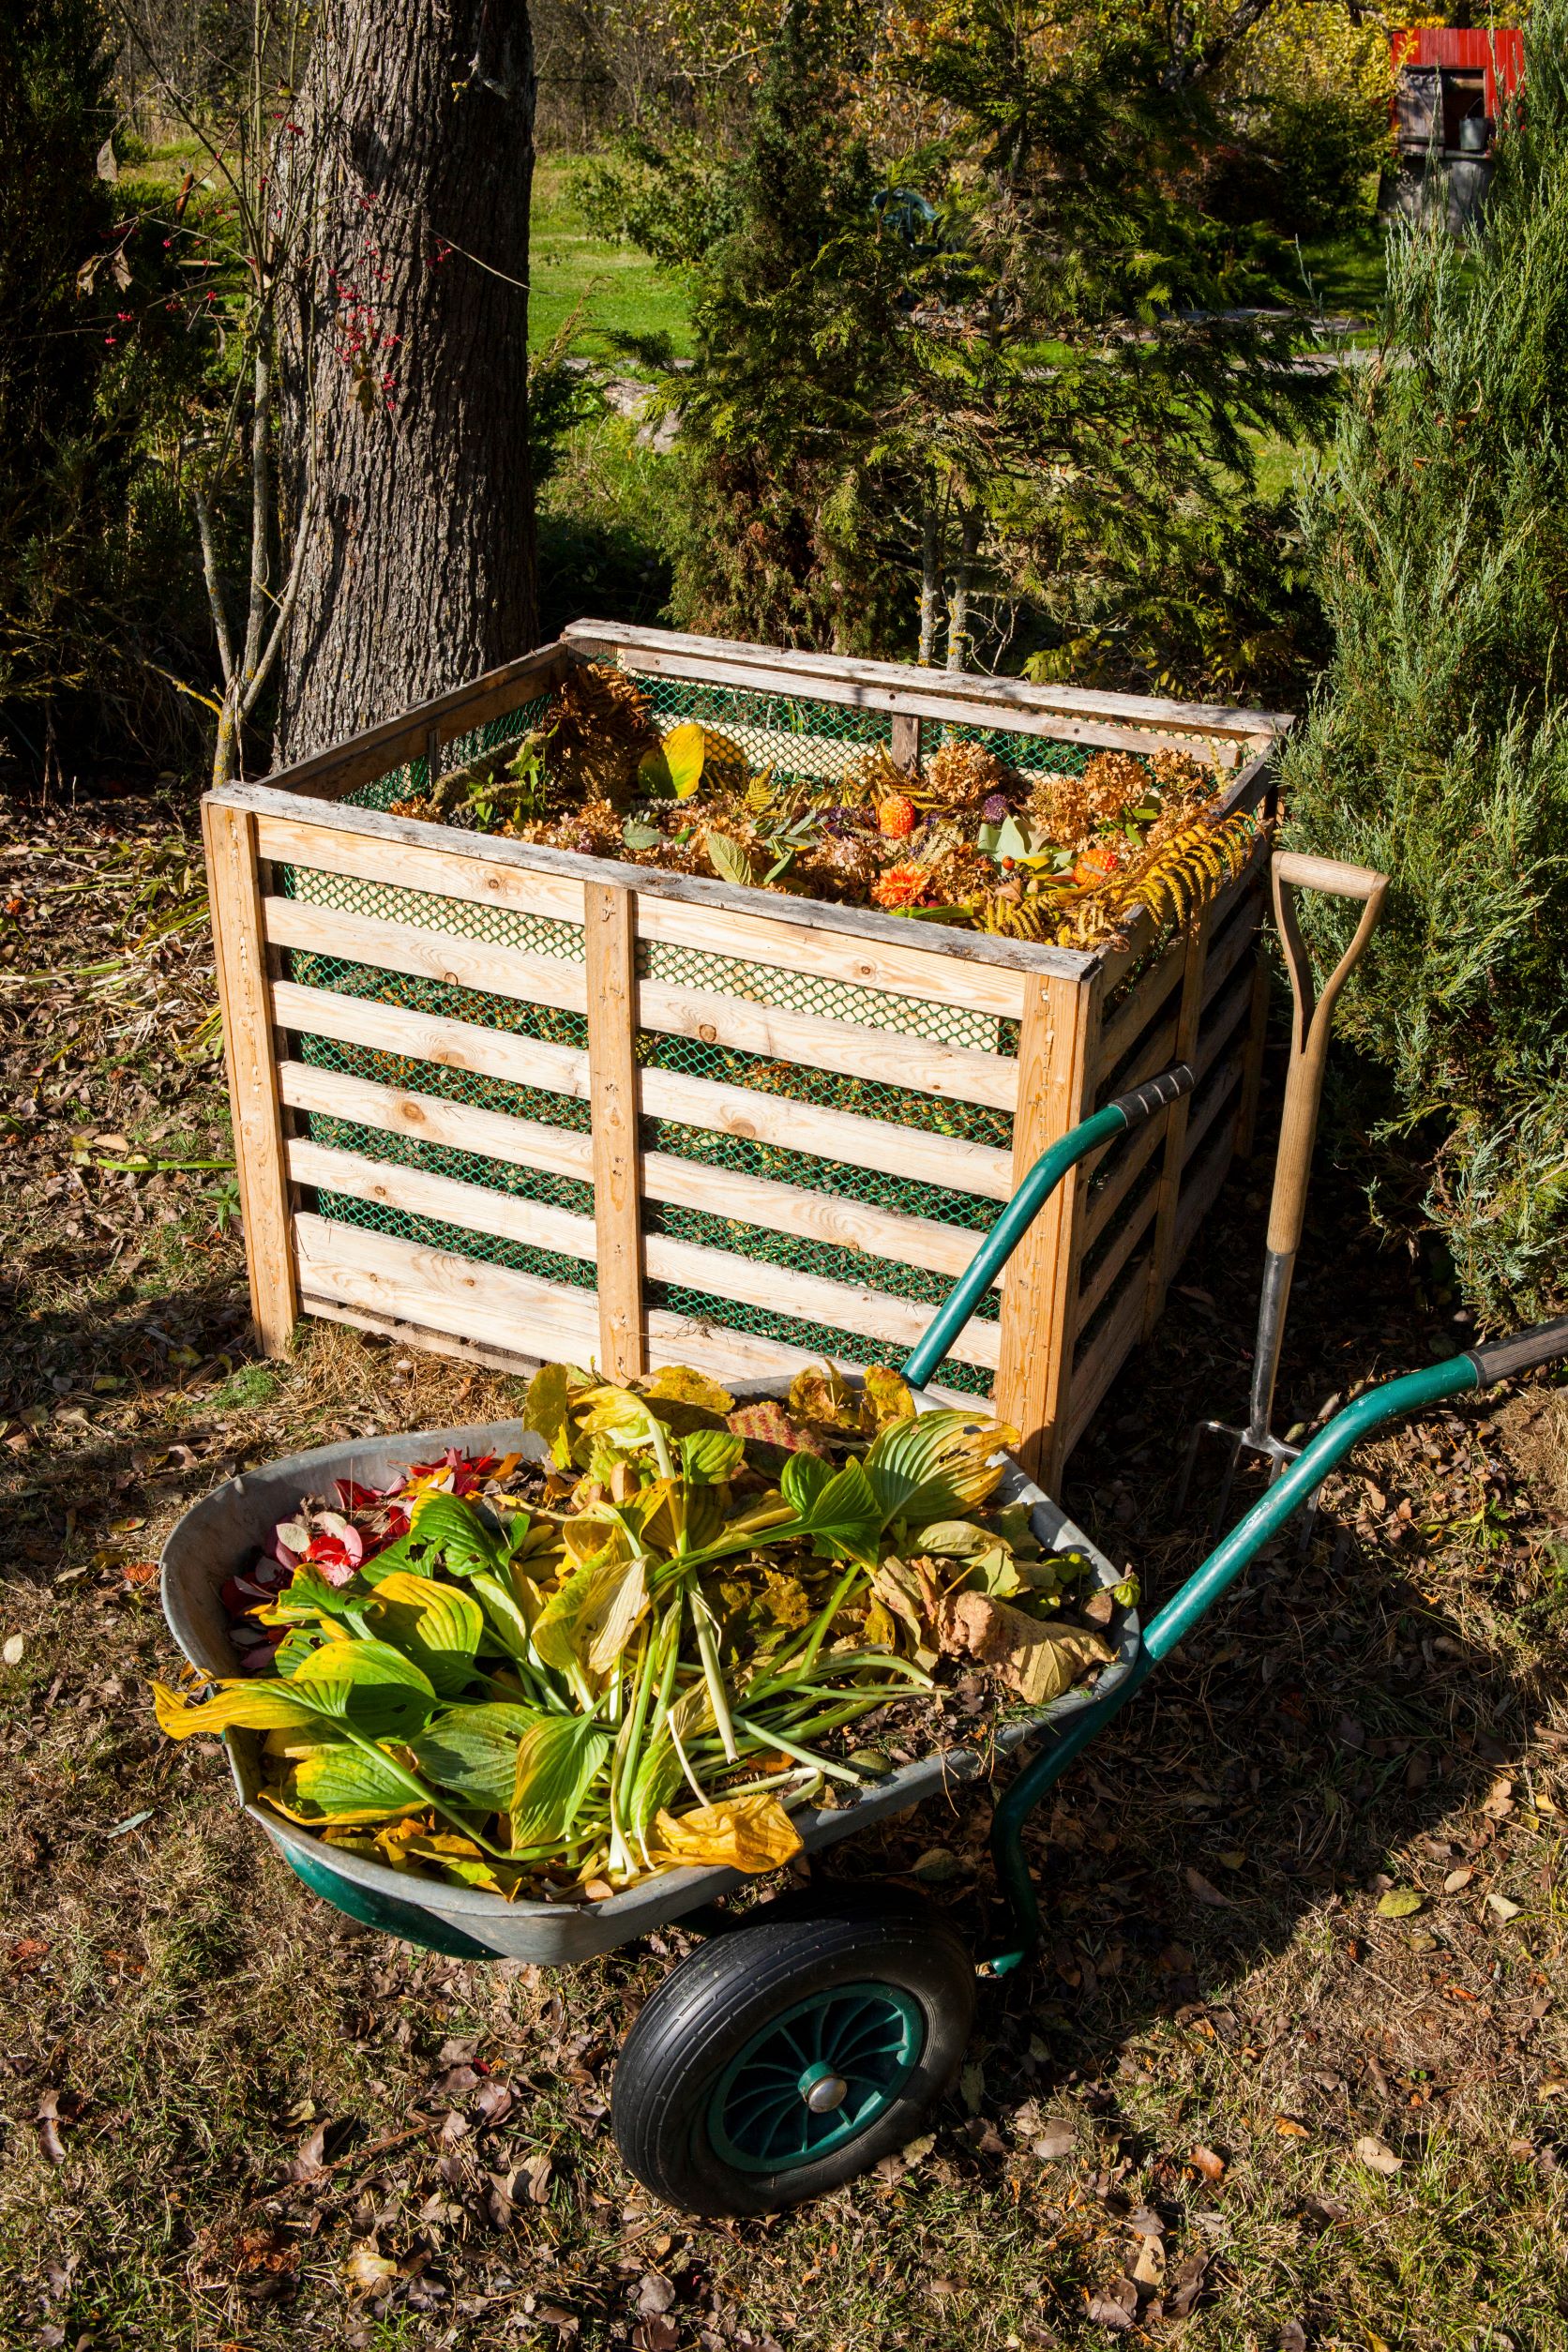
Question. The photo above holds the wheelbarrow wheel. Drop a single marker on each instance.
(793, 2051)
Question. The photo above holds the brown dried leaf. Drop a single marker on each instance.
(1204, 1891)
(1205, 2161)
(306, 2164)
(1038, 1662)
(1378, 2155)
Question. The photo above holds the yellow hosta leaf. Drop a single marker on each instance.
(887, 1393)
(675, 765)
(678, 1385)
(239, 1706)
(1038, 1662)
(750, 1833)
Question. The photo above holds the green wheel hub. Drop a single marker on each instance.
(822, 2073)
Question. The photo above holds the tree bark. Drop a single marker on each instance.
(406, 361)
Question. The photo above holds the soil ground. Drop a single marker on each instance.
(1291, 2070)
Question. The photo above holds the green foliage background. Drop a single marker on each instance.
(1437, 749)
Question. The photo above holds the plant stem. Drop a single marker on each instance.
(703, 1625)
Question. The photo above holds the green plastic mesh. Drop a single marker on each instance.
(461, 1240)
(829, 1000)
(808, 741)
(428, 910)
(800, 739)
(401, 783)
(817, 1339)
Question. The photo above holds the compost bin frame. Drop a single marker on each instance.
(1082, 1290)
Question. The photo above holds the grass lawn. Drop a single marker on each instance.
(235, 2121)
(610, 288)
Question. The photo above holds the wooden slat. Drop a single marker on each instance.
(477, 1208)
(243, 989)
(1252, 1082)
(1057, 1059)
(1135, 1153)
(431, 1118)
(425, 955)
(811, 670)
(382, 1282)
(866, 926)
(1156, 1053)
(497, 1305)
(416, 866)
(723, 1192)
(1218, 1030)
(1173, 1119)
(1093, 1292)
(436, 1343)
(1208, 1107)
(364, 758)
(723, 1273)
(498, 1053)
(739, 1111)
(1102, 1359)
(610, 919)
(949, 1072)
(1139, 1007)
(905, 747)
(811, 1298)
(1202, 1190)
(1238, 942)
(933, 975)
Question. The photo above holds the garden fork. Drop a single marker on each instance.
(1312, 1014)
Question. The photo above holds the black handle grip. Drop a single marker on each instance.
(1153, 1094)
(1502, 1359)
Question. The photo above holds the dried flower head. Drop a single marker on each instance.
(1114, 781)
(995, 808)
(1060, 805)
(962, 775)
(1179, 772)
(901, 886)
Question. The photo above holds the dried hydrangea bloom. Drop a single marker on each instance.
(1179, 772)
(963, 775)
(1060, 805)
(1114, 781)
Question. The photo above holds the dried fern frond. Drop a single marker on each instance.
(600, 724)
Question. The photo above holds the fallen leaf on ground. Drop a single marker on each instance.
(13, 1648)
(1204, 1891)
(654, 2293)
(1292, 2337)
(1288, 2129)
(368, 2268)
(49, 2127)
(1502, 1905)
(1378, 2155)
(1116, 2307)
(1205, 2161)
(1401, 1903)
(306, 2163)
(1458, 1879)
(1056, 2139)
(1149, 2270)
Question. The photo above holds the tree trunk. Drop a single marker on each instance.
(930, 572)
(957, 603)
(407, 360)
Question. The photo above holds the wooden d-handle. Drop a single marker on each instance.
(1309, 1031)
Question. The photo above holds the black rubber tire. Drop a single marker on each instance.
(709, 2008)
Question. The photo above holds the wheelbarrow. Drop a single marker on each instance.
(812, 2034)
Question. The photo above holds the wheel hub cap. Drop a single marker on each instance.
(819, 2075)
(822, 2089)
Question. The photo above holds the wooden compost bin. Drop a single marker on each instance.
(515, 1104)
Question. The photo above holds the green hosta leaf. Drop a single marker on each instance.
(936, 1466)
(710, 1455)
(455, 1531)
(557, 1764)
(344, 1781)
(837, 1509)
(306, 1595)
(294, 1648)
(437, 1625)
(366, 1684)
(730, 861)
(637, 837)
(472, 1751)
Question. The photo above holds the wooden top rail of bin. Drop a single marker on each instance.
(656, 948)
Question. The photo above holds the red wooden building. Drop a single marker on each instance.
(1448, 90)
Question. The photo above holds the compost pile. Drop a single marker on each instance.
(969, 841)
(556, 1677)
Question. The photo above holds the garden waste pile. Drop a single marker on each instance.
(556, 1677)
(968, 842)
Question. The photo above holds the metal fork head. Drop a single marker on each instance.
(1273, 1450)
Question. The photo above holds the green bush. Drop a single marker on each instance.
(1437, 749)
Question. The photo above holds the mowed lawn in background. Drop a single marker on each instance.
(599, 286)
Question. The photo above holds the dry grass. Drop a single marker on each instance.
(267, 2118)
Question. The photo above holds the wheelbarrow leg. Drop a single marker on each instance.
(1019, 1801)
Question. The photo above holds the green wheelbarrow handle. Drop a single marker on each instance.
(1479, 1367)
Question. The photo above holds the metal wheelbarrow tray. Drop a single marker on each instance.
(219, 1536)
